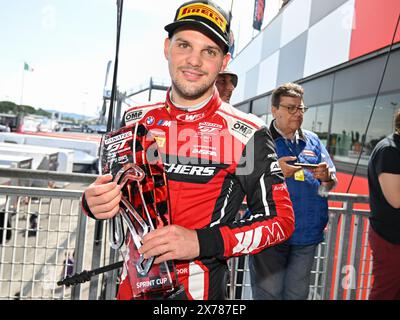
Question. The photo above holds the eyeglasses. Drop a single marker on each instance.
(293, 109)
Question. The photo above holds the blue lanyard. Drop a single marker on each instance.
(288, 145)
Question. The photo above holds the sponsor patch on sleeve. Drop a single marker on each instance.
(275, 167)
(242, 128)
(133, 116)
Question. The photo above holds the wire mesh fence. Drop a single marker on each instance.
(44, 237)
(38, 234)
(342, 267)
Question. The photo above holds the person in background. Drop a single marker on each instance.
(384, 230)
(226, 83)
(283, 272)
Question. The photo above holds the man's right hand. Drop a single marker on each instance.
(103, 197)
(288, 169)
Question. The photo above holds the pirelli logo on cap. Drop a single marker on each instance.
(205, 11)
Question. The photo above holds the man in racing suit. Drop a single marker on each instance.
(214, 155)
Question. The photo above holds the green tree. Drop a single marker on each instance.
(27, 109)
(13, 108)
(8, 107)
(44, 113)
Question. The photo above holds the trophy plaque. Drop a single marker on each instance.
(131, 155)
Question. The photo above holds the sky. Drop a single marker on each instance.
(68, 43)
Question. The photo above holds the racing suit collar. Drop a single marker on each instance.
(191, 108)
(182, 116)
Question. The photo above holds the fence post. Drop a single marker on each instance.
(111, 284)
(97, 249)
(232, 272)
(79, 251)
(327, 254)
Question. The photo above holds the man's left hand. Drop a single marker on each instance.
(170, 243)
(322, 172)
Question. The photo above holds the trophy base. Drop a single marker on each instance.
(175, 294)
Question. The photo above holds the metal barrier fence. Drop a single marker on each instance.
(44, 236)
(343, 262)
(37, 241)
(347, 258)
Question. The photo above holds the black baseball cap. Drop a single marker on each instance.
(207, 16)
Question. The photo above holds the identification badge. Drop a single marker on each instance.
(299, 175)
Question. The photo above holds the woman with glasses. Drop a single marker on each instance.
(283, 272)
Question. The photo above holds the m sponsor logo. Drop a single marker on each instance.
(189, 170)
(133, 115)
(190, 117)
(242, 128)
(258, 238)
(164, 123)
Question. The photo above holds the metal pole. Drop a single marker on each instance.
(150, 87)
(79, 252)
(111, 287)
(22, 87)
(112, 122)
(96, 257)
(117, 119)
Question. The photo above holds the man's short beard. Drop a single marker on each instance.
(188, 93)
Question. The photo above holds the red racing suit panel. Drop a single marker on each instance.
(211, 166)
